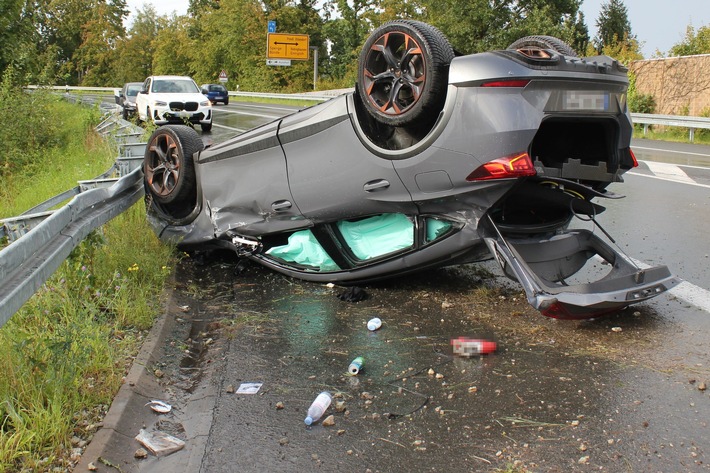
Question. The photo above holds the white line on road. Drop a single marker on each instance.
(668, 171)
(666, 179)
(685, 291)
(239, 130)
(670, 151)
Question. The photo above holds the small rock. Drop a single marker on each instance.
(472, 389)
(283, 441)
(431, 372)
(349, 452)
(279, 405)
(230, 389)
(583, 460)
(141, 453)
(341, 432)
(583, 447)
(574, 423)
(339, 406)
(702, 386)
(439, 376)
(158, 373)
(91, 466)
(366, 395)
(616, 329)
(446, 305)
(329, 421)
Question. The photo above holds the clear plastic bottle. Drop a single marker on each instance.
(319, 406)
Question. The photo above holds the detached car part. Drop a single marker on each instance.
(433, 160)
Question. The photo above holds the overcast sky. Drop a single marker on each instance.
(658, 24)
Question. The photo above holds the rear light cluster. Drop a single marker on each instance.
(507, 83)
(508, 167)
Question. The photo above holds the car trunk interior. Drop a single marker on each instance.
(581, 149)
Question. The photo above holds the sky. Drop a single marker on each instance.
(657, 24)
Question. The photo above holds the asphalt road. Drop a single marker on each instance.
(622, 393)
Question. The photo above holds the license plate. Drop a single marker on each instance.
(585, 100)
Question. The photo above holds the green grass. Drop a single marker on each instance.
(65, 352)
(674, 134)
(80, 154)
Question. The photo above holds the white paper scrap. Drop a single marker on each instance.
(249, 388)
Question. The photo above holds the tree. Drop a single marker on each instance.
(695, 42)
(612, 25)
(134, 56)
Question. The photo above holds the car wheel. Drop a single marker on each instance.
(226, 102)
(206, 126)
(124, 114)
(168, 168)
(540, 42)
(403, 72)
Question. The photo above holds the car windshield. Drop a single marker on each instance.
(132, 90)
(174, 86)
(216, 88)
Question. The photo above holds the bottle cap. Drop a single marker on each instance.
(308, 420)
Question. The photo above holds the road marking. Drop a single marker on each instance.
(239, 130)
(668, 171)
(671, 180)
(251, 114)
(671, 151)
(685, 291)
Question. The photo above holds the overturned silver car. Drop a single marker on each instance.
(434, 160)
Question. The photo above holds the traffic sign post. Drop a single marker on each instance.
(287, 46)
(223, 76)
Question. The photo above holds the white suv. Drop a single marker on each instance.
(173, 99)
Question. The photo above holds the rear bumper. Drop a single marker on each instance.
(548, 267)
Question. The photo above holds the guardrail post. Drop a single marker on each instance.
(645, 129)
(692, 134)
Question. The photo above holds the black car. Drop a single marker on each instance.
(435, 159)
(126, 98)
(216, 93)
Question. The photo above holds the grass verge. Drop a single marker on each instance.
(66, 351)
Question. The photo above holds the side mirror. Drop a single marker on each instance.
(204, 91)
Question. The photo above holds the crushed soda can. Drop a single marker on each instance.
(469, 347)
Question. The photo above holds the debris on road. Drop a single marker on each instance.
(355, 366)
(159, 406)
(468, 347)
(353, 294)
(319, 406)
(328, 421)
(159, 443)
(374, 324)
(249, 388)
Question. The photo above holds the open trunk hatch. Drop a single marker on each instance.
(547, 267)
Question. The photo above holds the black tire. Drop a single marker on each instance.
(206, 126)
(403, 72)
(124, 114)
(540, 42)
(226, 102)
(169, 169)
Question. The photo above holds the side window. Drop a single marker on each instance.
(146, 85)
(377, 236)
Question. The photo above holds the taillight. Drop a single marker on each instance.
(507, 83)
(633, 158)
(509, 167)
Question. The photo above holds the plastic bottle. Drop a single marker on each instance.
(319, 406)
(374, 324)
(356, 366)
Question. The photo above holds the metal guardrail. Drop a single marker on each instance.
(320, 96)
(41, 238)
(692, 123)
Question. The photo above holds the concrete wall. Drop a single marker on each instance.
(675, 83)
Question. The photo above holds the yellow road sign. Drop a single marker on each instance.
(287, 46)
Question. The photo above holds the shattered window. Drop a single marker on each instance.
(379, 235)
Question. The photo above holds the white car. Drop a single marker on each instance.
(173, 99)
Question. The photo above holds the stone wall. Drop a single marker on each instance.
(680, 85)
